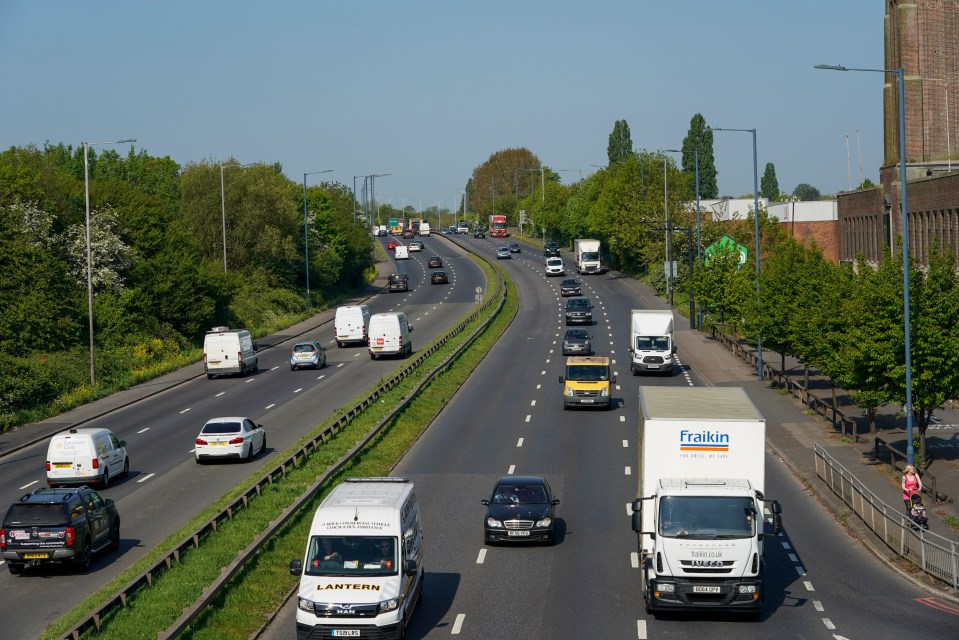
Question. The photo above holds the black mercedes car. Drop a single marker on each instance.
(520, 509)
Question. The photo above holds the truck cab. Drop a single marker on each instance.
(588, 382)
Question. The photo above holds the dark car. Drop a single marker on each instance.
(398, 282)
(58, 525)
(551, 249)
(307, 354)
(407, 233)
(520, 509)
(570, 287)
(514, 247)
(479, 233)
(579, 311)
(577, 342)
(439, 277)
(434, 262)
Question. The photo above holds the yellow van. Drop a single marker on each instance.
(588, 382)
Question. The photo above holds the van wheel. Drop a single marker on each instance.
(15, 568)
(372, 356)
(209, 376)
(339, 345)
(105, 482)
(84, 558)
(126, 467)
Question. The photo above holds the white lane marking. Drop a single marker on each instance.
(786, 545)
(542, 373)
(321, 377)
(622, 418)
(613, 361)
(818, 606)
(251, 379)
(28, 485)
(629, 509)
(458, 623)
(184, 411)
(533, 403)
(340, 365)
(519, 443)
(625, 444)
(193, 450)
(298, 390)
(629, 471)
(144, 430)
(356, 355)
(547, 360)
(808, 586)
(481, 556)
(828, 623)
(512, 468)
(274, 368)
(145, 478)
(539, 386)
(219, 394)
(793, 558)
(618, 388)
(634, 560)
(800, 570)
(270, 406)
(641, 630)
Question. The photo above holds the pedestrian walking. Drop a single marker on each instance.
(911, 484)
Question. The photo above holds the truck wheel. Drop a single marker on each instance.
(83, 559)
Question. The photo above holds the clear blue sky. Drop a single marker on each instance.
(426, 91)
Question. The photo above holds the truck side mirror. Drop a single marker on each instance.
(629, 349)
(613, 379)
(296, 567)
(561, 379)
(674, 348)
(777, 510)
(638, 521)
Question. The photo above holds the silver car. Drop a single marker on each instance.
(503, 253)
(308, 354)
(577, 342)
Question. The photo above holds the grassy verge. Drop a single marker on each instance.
(260, 586)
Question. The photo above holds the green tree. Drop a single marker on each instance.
(507, 174)
(769, 185)
(620, 144)
(806, 192)
(700, 138)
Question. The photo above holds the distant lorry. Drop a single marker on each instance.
(699, 517)
(497, 227)
(588, 382)
(424, 229)
(586, 255)
(651, 345)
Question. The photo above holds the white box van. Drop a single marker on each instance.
(86, 456)
(362, 573)
(228, 351)
(351, 324)
(390, 334)
(424, 229)
(402, 252)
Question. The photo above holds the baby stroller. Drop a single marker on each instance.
(917, 511)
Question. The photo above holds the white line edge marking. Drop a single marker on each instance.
(529, 416)
(629, 471)
(625, 444)
(818, 606)
(270, 406)
(634, 559)
(828, 623)
(808, 586)
(145, 478)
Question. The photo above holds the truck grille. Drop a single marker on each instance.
(716, 567)
(653, 359)
(337, 610)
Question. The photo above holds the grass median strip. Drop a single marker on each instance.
(263, 583)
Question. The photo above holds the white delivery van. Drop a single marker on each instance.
(555, 267)
(390, 334)
(424, 229)
(362, 573)
(651, 347)
(227, 351)
(402, 252)
(86, 456)
(351, 324)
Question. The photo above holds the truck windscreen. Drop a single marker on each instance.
(587, 373)
(652, 343)
(590, 255)
(707, 517)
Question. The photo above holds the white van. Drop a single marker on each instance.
(86, 456)
(424, 229)
(390, 335)
(351, 324)
(362, 573)
(402, 252)
(228, 351)
(555, 267)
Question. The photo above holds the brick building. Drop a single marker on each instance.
(921, 38)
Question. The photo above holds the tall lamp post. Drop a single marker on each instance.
(224, 167)
(306, 236)
(905, 239)
(570, 171)
(759, 338)
(669, 236)
(86, 182)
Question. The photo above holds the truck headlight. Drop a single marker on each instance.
(747, 588)
(666, 587)
(305, 605)
(545, 522)
(493, 522)
(570, 392)
(605, 392)
(389, 605)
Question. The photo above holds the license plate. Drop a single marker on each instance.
(346, 633)
(518, 533)
(61, 465)
(699, 589)
(217, 444)
(587, 401)
(653, 366)
(36, 556)
(214, 362)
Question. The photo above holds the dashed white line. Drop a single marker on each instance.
(219, 394)
(512, 468)
(321, 377)
(340, 365)
(786, 545)
(458, 624)
(251, 379)
(828, 623)
(800, 570)
(481, 556)
(270, 406)
(629, 471)
(634, 560)
(542, 373)
(641, 629)
(622, 418)
(539, 386)
(144, 430)
(28, 485)
(184, 411)
(146, 477)
(298, 390)
(818, 606)
(808, 586)
(519, 443)
(533, 403)
(625, 444)
(793, 558)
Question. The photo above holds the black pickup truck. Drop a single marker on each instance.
(58, 525)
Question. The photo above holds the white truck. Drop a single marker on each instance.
(651, 345)
(424, 229)
(402, 252)
(586, 255)
(699, 517)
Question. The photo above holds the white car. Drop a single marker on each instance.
(416, 245)
(225, 438)
(555, 267)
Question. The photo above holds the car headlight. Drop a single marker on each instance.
(305, 605)
(570, 392)
(545, 522)
(493, 522)
(389, 605)
(747, 588)
(604, 392)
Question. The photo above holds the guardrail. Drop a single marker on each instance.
(934, 554)
(195, 539)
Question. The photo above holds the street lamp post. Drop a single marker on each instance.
(759, 338)
(223, 201)
(570, 171)
(910, 450)
(669, 236)
(306, 236)
(699, 246)
(86, 182)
